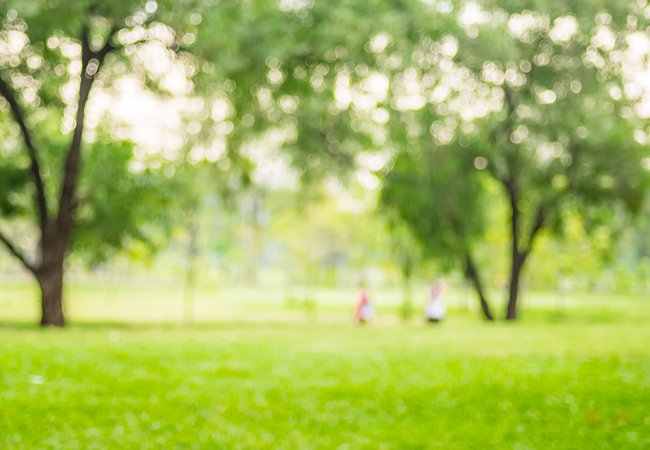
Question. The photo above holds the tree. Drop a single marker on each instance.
(548, 146)
(48, 53)
(540, 109)
(437, 194)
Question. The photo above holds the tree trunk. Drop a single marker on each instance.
(56, 233)
(513, 291)
(50, 280)
(472, 273)
(49, 272)
(519, 258)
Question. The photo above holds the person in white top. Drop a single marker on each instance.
(436, 310)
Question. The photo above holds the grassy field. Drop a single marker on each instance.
(573, 376)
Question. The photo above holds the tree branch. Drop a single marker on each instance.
(538, 224)
(16, 253)
(471, 272)
(469, 266)
(91, 62)
(41, 202)
(513, 198)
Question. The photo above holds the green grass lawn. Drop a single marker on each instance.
(461, 385)
(576, 379)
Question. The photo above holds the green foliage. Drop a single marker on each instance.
(279, 66)
(438, 193)
(550, 137)
(119, 205)
(335, 245)
(13, 182)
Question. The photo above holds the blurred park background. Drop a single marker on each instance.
(192, 193)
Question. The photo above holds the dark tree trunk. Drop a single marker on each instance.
(50, 281)
(472, 274)
(520, 250)
(513, 289)
(50, 273)
(517, 257)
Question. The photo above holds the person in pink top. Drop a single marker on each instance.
(363, 309)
